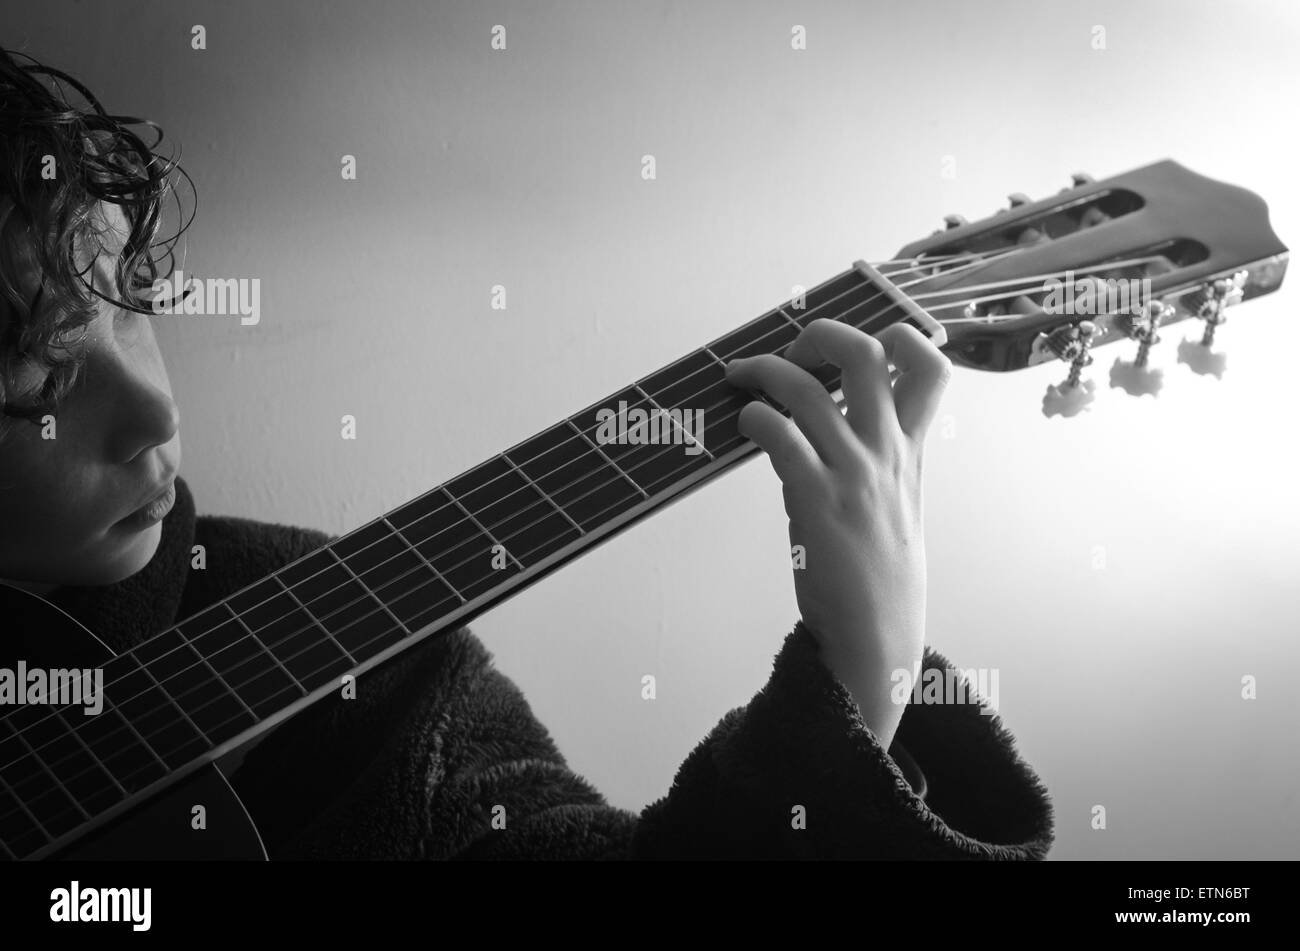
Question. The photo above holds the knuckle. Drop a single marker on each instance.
(865, 348)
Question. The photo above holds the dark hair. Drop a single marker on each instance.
(44, 220)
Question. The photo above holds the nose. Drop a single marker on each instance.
(143, 414)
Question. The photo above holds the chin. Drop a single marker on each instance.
(135, 552)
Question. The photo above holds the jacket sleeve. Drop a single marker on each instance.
(440, 757)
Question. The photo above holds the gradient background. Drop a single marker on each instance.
(775, 168)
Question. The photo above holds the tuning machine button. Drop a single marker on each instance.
(1142, 325)
(954, 221)
(1210, 302)
(1079, 179)
(1017, 199)
(1071, 343)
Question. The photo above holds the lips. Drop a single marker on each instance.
(154, 501)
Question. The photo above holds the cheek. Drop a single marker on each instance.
(47, 498)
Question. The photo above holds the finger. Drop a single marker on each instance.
(807, 400)
(792, 457)
(923, 374)
(864, 373)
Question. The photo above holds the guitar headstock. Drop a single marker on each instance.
(1099, 262)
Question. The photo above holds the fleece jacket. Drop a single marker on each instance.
(439, 756)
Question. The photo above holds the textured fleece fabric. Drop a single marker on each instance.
(437, 738)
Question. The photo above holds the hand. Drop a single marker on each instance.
(852, 486)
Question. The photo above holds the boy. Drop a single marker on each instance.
(98, 521)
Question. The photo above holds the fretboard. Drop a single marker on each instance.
(217, 679)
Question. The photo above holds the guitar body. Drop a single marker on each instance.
(161, 827)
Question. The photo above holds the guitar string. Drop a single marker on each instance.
(541, 502)
(577, 437)
(274, 696)
(97, 762)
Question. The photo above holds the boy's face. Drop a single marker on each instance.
(116, 446)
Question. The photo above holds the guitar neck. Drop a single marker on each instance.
(216, 680)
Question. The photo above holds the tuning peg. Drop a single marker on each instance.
(1081, 178)
(1093, 216)
(1073, 344)
(1017, 199)
(1142, 325)
(954, 221)
(1210, 301)
(1074, 395)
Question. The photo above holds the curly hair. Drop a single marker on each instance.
(45, 219)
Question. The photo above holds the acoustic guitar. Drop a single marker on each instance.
(1039, 281)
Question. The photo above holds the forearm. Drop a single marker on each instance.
(865, 657)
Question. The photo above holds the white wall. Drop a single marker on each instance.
(774, 168)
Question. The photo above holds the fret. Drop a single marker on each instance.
(568, 470)
(148, 709)
(415, 608)
(294, 683)
(453, 545)
(373, 625)
(429, 509)
(436, 573)
(84, 771)
(174, 661)
(20, 830)
(705, 371)
(377, 560)
(240, 660)
(463, 552)
(854, 307)
(124, 753)
(649, 466)
(341, 603)
(411, 589)
(523, 475)
(604, 455)
(653, 465)
(687, 437)
(95, 765)
(827, 293)
(67, 757)
(790, 320)
(827, 375)
(515, 511)
(212, 704)
(479, 525)
(31, 777)
(771, 333)
(314, 622)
